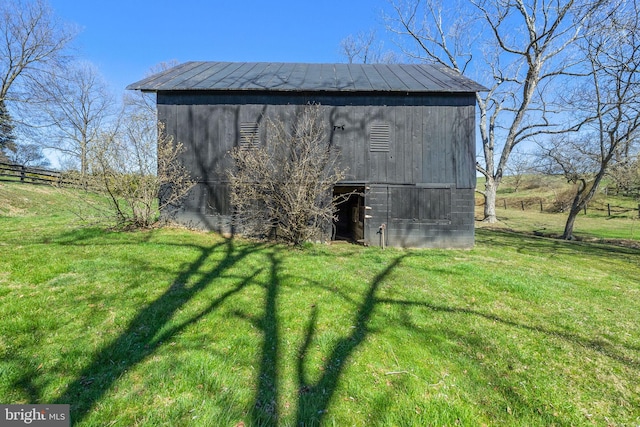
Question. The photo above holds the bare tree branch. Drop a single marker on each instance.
(75, 104)
(32, 40)
(608, 105)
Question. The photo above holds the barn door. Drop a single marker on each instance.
(349, 224)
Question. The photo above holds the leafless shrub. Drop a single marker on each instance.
(283, 189)
(140, 175)
(562, 200)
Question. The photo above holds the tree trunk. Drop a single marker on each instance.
(83, 158)
(490, 189)
(583, 197)
(576, 206)
(568, 227)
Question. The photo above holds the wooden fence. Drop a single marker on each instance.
(538, 204)
(14, 172)
(32, 175)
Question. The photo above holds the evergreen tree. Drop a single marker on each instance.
(7, 137)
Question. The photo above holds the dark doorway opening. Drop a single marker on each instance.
(349, 225)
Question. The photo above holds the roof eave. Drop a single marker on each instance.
(326, 91)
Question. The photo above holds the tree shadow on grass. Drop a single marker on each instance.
(145, 333)
(315, 397)
(265, 407)
(526, 243)
(499, 366)
(27, 382)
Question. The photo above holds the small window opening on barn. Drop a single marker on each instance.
(349, 225)
(379, 137)
(249, 135)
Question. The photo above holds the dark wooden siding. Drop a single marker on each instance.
(419, 187)
(377, 213)
(421, 204)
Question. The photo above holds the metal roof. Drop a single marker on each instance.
(275, 76)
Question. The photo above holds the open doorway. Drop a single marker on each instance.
(349, 225)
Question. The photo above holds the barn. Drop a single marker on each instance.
(406, 133)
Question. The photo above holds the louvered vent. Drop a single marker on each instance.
(249, 137)
(379, 138)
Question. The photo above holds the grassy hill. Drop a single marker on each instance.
(176, 327)
(539, 203)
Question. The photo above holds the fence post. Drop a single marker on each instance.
(608, 209)
(505, 204)
(585, 208)
(541, 210)
(22, 174)
(522, 204)
(639, 211)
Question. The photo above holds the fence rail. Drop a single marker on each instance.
(542, 206)
(12, 172)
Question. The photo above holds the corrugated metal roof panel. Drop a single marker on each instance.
(297, 77)
(274, 76)
(214, 74)
(414, 83)
(359, 79)
(376, 80)
(391, 78)
(343, 77)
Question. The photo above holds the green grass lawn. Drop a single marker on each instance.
(590, 227)
(623, 223)
(174, 327)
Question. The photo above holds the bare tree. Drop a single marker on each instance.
(515, 47)
(284, 187)
(364, 48)
(136, 165)
(608, 101)
(32, 40)
(140, 108)
(76, 107)
(29, 155)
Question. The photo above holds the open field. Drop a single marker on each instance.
(175, 327)
(552, 191)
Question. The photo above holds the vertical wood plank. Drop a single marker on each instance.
(399, 143)
(361, 153)
(450, 140)
(407, 144)
(417, 136)
(392, 173)
(430, 145)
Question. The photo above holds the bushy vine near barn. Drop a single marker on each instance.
(283, 189)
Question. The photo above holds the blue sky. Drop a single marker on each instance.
(124, 39)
